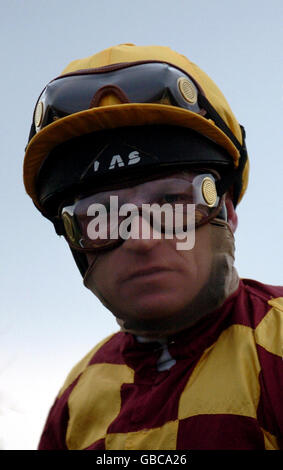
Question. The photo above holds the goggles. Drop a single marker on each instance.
(136, 82)
(100, 221)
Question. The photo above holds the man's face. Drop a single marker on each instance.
(150, 279)
(150, 284)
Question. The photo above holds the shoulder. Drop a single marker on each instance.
(269, 331)
(260, 307)
(105, 355)
(268, 337)
(261, 290)
(102, 352)
(255, 302)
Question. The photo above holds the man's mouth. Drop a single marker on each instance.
(147, 272)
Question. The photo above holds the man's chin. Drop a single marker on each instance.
(155, 315)
(159, 305)
(163, 297)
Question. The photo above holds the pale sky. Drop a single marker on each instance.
(48, 319)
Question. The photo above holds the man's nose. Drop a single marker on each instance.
(142, 236)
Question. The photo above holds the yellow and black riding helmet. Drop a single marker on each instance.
(125, 112)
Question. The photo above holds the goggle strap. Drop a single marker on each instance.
(58, 225)
(32, 133)
(119, 66)
(235, 176)
(242, 163)
(204, 103)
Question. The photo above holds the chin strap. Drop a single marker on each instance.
(81, 261)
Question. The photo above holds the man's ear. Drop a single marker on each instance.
(232, 217)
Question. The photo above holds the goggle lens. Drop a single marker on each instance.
(155, 82)
(105, 219)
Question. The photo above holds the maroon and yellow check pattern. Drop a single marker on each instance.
(224, 392)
